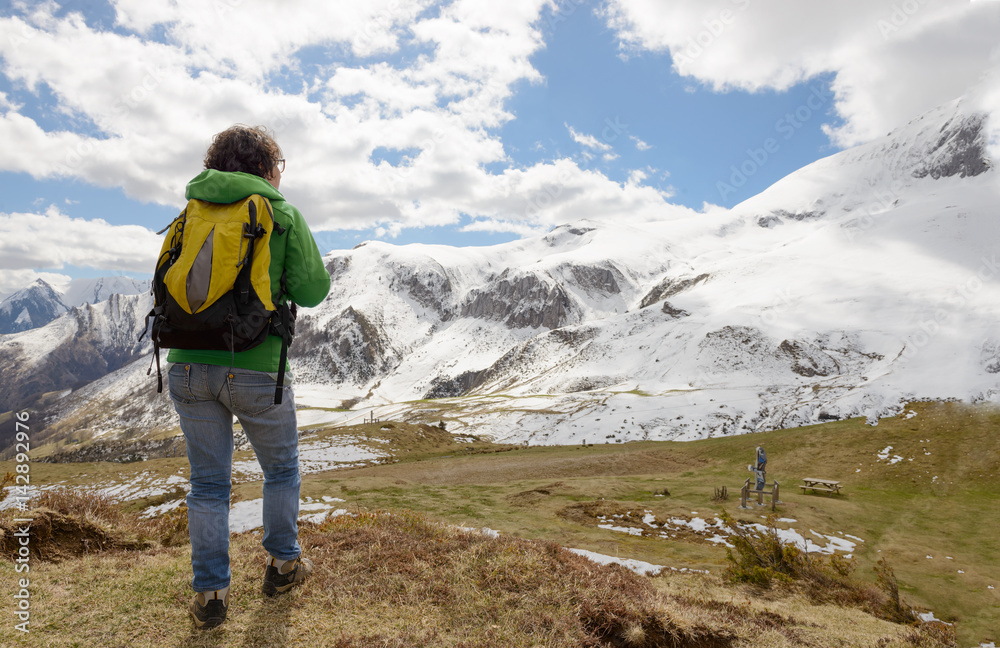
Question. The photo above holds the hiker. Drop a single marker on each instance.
(208, 387)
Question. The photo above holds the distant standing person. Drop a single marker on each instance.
(209, 387)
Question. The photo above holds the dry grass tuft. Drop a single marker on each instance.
(67, 523)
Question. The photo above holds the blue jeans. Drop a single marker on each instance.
(207, 397)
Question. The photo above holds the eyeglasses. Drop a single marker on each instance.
(280, 164)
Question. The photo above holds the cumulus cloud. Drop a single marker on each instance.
(640, 144)
(54, 240)
(13, 280)
(891, 60)
(588, 141)
(336, 81)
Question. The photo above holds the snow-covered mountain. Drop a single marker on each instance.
(40, 303)
(859, 282)
(82, 345)
(30, 307)
(95, 290)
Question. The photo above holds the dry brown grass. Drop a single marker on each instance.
(398, 578)
(470, 589)
(66, 523)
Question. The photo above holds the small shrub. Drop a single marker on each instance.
(892, 608)
(8, 480)
(762, 559)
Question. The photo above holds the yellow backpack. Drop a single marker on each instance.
(212, 284)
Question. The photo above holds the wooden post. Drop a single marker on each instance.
(743, 493)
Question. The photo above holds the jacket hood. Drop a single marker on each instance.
(229, 186)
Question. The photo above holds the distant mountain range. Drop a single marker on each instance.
(40, 303)
(858, 283)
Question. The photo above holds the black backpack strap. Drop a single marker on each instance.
(159, 375)
(283, 327)
(283, 358)
(157, 311)
(250, 233)
(156, 348)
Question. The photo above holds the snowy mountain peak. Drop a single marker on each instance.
(39, 303)
(31, 307)
(949, 142)
(94, 290)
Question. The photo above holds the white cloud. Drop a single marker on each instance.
(13, 280)
(636, 177)
(494, 226)
(54, 240)
(892, 59)
(639, 144)
(150, 103)
(587, 140)
(250, 40)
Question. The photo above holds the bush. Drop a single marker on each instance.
(761, 559)
(892, 608)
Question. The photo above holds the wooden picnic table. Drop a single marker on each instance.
(815, 484)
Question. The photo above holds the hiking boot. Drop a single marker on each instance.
(210, 613)
(276, 582)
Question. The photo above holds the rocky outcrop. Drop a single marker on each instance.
(674, 313)
(337, 266)
(808, 360)
(460, 385)
(596, 280)
(783, 215)
(669, 287)
(522, 302)
(351, 348)
(432, 289)
(960, 150)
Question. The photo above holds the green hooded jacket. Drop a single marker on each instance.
(295, 252)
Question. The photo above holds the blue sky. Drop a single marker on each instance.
(458, 122)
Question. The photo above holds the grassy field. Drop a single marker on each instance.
(932, 514)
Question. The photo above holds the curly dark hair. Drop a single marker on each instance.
(250, 149)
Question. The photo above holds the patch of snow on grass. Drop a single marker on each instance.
(249, 514)
(317, 456)
(927, 617)
(629, 530)
(160, 509)
(638, 566)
